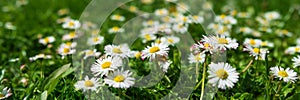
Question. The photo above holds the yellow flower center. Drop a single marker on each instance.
(72, 34)
(206, 45)
(158, 41)
(147, 37)
(69, 43)
(71, 23)
(223, 16)
(154, 49)
(222, 74)
(106, 65)
(264, 44)
(198, 57)
(115, 28)
(119, 78)
(117, 50)
(66, 50)
(256, 50)
(138, 55)
(285, 32)
(118, 17)
(283, 74)
(170, 40)
(297, 49)
(88, 83)
(222, 41)
(252, 42)
(90, 52)
(96, 39)
(47, 40)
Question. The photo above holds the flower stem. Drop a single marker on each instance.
(197, 70)
(203, 79)
(248, 66)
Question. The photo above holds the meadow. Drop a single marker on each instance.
(149, 49)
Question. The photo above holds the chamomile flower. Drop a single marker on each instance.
(222, 75)
(40, 56)
(288, 75)
(136, 54)
(155, 49)
(221, 42)
(47, 40)
(116, 29)
(161, 12)
(95, 40)
(117, 17)
(199, 57)
(296, 61)
(103, 66)
(71, 35)
(91, 53)
(122, 50)
(71, 24)
(6, 92)
(273, 15)
(65, 50)
(170, 40)
(292, 50)
(120, 79)
(258, 53)
(88, 84)
(253, 42)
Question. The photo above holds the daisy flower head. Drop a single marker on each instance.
(21, 2)
(288, 75)
(71, 24)
(266, 44)
(197, 19)
(155, 49)
(164, 28)
(296, 61)
(69, 44)
(63, 11)
(95, 40)
(164, 65)
(117, 17)
(40, 56)
(258, 53)
(180, 28)
(65, 50)
(230, 20)
(283, 32)
(273, 15)
(116, 29)
(221, 42)
(170, 40)
(47, 40)
(243, 15)
(120, 79)
(91, 53)
(88, 84)
(71, 35)
(206, 46)
(253, 42)
(245, 30)
(150, 23)
(161, 12)
(147, 37)
(183, 19)
(147, 1)
(6, 92)
(200, 57)
(121, 50)
(222, 75)
(292, 50)
(105, 65)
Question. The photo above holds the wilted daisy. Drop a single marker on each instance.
(47, 40)
(170, 40)
(105, 65)
(88, 84)
(161, 12)
(71, 35)
(296, 61)
(120, 79)
(222, 75)
(117, 17)
(122, 50)
(258, 53)
(71, 24)
(155, 49)
(288, 75)
(5, 93)
(95, 40)
(272, 15)
(91, 53)
(116, 29)
(292, 50)
(40, 56)
(200, 57)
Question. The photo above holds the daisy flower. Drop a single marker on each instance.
(288, 75)
(88, 84)
(116, 29)
(181, 28)
(117, 17)
(296, 61)
(147, 1)
(103, 66)
(183, 19)
(122, 50)
(253, 42)
(170, 40)
(161, 12)
(164, 28)
(272, 15)
(258, 53)
(6, 92)
(221, 42)
(197, 19)
(164, 65)
(200, 57)
(155, 49)
(71, 24)
(10, 26)
(95, 40)
(150, 23)
(40, 56)
(226, 19)
(21, 2)
(243, 15)
(120, 79)
(266, 44)
(71, 35)
(206, 46)
(64, 11)
(147, 37)
(283, 32)
(245, 30)
(292, 50)
(65, 50)
(91, 53)
(47, 40)
(69, 44)
(222, 75)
